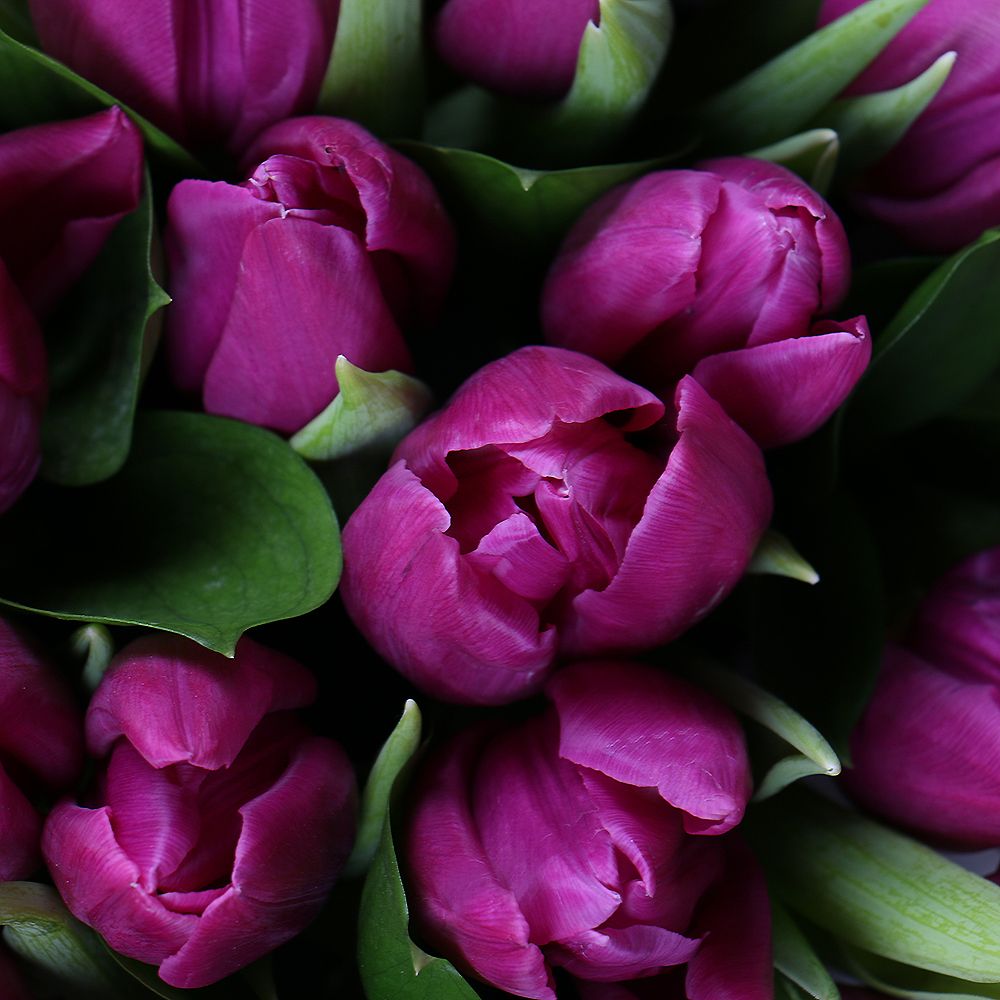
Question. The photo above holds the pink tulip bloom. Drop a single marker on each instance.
(522, 523)
(525, 48)
(221, 822)
(939, 187)
(41, 748)
(590, 839)
(333, 244)
(216, 72)
(719, 272)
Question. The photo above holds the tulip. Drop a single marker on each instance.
(521, 523)
(209, 73)
(66, 185)
(927, 751)
(939, 187)
(11, 979)
(590, 839)
(519, 47)
(221, 822)
(719, 272)
(333, 243)
(41, 748)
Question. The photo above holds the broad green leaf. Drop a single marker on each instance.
(795, 959)
(15, 19)
(784, 94)
(95, 343)
(371, 409)
(94, 645)
(785, 989)
(211, 527)
(396, 753)
(897, 980)
(375, 74)
(943, 343)
(775, 555)
(869, 126)
(812, 155)
(47, 90)
(877, 889)
(233, 988)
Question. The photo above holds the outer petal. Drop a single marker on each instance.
(20, 445)
(20, 832)
(615, 953)
(646, 728)
(450, 627)
(176, 701)
(461, 906)
(781, 392)
(305, 294)
(517, 399)
(927, 752)
(697, 533)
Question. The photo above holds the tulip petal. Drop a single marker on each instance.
(614, 953)
(20, 832)
(781, 392)
(461, 906)
(649, 729)
(454, 630)
(697, 533)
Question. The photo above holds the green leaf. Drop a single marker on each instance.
(371, 409)
(877, 889)
(211, 527)
(396, 753)
(812, 155)
(95, 343)
(94, 645)
(795, 959)
(941, 346)
(15, 19)
(784, 94)
(375, 74)
(869, 126)
(897, 980)
(775, 555)
(785, 989)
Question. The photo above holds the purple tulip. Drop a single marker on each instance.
(332, 245)
(927, 752)
(521, 523)
(719, 272)
(939, 187)
(41, 748)
(221, 822)
(216, 72)
(525, 48)
(63, 188)
(588, 839)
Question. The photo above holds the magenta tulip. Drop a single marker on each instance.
(927, 752)
(720, 272)
(207, 73)
(333, 244)
(589, 839)
(939, 187)
(41, 748)
(525, 48)
(63, 188)
(221, 822)
(522, 523)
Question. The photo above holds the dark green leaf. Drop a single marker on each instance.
(15, 19)
(211, 527)
(795, 959)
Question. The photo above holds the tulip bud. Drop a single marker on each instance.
(333, 243)
(522, 523)
(205, 73)
(589, 839)
(41, 748)
(719, 272)
(939, 187)
(221, 822)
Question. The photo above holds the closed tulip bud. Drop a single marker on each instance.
(207, 73)
(519, 47)
(939, 187)
(332, 245)
(720, 272)
(590, 839)
(221, 822)
(927, 751)
(523, 523)
(41, 748)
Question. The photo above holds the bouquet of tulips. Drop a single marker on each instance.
(500, 498)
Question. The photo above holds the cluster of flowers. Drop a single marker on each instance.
(573, 506)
